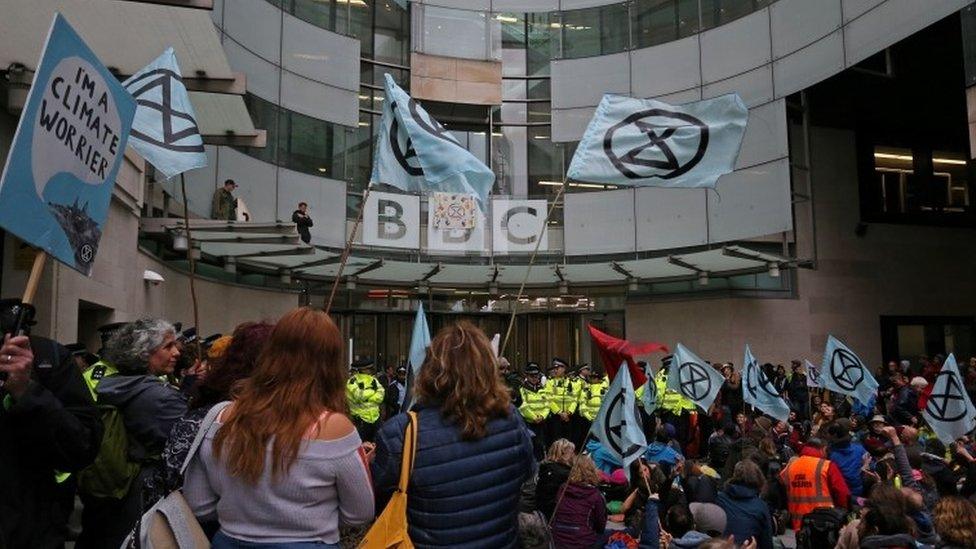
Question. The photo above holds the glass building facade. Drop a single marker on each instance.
(513, 137)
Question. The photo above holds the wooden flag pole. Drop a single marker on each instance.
(345, 252)
(193, 269)
(528, 270)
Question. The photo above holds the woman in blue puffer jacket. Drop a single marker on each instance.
(474, 451)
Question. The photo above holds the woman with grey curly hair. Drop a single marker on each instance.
(129, 379)
(146, 345)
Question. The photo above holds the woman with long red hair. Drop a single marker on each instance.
(283, 465)
(473, 449)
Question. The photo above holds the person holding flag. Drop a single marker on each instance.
(758, 390)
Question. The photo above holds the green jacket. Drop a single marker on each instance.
(224, 205)
(95, 373)
(365, 395)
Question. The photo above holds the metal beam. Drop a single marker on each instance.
(437, 268)
(371, 267)
(675, 260)
(619, 268)
(194, 4)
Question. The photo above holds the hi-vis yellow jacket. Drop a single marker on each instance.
(671, 401)
(591, 397)
(563, 395)
(365, 395)
(535, 402)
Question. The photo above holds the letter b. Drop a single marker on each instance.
(387, 218)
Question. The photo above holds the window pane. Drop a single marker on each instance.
(655, 22)
(326, 14)
(687, 17)
(392, 34)
(264, 114)
(538, 89)
(442, 26)
(581, 38)
(361, 26)
(513, 29)
(719, 12)
(541, 43)
(893, 167)
(951, 174)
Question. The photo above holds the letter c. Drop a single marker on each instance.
(515, 239)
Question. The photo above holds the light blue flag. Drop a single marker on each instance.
(57, 184)
(694, 379)
(649, 399)
(164, 130)
(414, 152)
(948, 410)
(758, 390)
(843, 372)
(419, 342)
(617, 426)
(647, 143)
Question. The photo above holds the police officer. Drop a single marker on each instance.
(579, 380)
(365, 394)
(396, 392)
(591, 398)
(102, 368)
(563, 400)
(535, 408)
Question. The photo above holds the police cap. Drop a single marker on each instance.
(558, 363)
(532, 369)
(362, 363)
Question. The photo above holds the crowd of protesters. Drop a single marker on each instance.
(297, 452)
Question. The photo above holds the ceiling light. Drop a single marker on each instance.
(954, 161)
(506, 18)
(774, 270)
(323, 169)
(364, 97)
(363, 124)
(351, 283)
(540, 137)
(890, 156)
(703, 278)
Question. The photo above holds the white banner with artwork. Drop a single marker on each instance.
(517, 224)
(457, 240)
(392, 220)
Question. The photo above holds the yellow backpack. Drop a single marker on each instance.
(390, 528)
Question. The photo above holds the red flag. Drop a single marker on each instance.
(613, 351)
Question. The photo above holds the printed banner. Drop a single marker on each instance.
(648, 143)
(693, 378)
(758, 389)
(57, 183)
(452, 211)
(617, 426)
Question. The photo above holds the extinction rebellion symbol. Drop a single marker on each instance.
(752, 373)
(164, 79)
(613, 424)
(846, 369)
(655, 156)
(405, 152)
(694, 381)
(940, 405)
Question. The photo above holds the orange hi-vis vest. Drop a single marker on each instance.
(806, 486)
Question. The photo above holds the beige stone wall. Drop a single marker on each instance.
(455, 80)
(892, 270)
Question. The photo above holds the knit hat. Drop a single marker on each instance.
(219, 347)
(708, 517)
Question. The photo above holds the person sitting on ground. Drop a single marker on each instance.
(680, 530)
(847, 454)
(747, 514)
(580, 515)
(474, 451)
(283, 463)
(553, 473)
(660, 451)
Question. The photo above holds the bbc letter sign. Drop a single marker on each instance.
(517, 224)
(392, 220)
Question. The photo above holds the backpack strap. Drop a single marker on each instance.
(205, 425)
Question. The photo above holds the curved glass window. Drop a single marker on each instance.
(595, 31)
